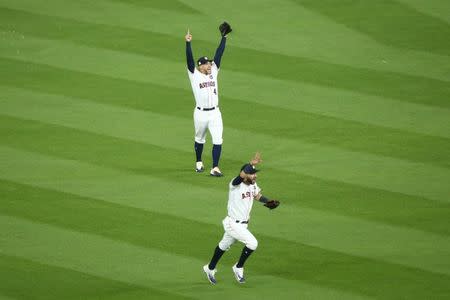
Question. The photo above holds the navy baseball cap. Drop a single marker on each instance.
(249, 169)
(203, 60)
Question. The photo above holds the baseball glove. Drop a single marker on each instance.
(225, 28)
(271, 204)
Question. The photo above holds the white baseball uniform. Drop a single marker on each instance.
(207, 115)
(240, 202)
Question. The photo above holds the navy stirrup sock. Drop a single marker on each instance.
(217, 255)
(198, 151)
(245, 254)
(216, 150)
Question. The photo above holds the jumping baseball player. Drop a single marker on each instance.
(242, 191)
(207, 115)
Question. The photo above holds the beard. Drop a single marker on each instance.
(249, 181)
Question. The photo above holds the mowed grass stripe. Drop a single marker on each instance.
(297, 40)
(319, 161)
(437, 8)
(407, 88)
(156, 269)
(388, 243)
(296, 260)
(170, 6)
(352, 106)
(402, 27)
(312, 35)
(26, 279)
(316, 107)
(299, 125)
(145, 159)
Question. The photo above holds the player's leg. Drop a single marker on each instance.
(250, 245)
(221, 248)
(216, 130)
(198, 147)
(200, 126)
(224, 245)
(242, 234)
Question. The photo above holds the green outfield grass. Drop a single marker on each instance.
(348, 101)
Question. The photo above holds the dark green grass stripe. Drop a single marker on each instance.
(144, 159)
(380, 83)
(389, 22)
(294, 261)
(26, 279)
(296, 125)
(173, 5)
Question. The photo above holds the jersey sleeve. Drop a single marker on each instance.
(233, 187)
(219, 51)
(189, 58)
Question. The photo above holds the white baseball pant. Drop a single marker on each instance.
(236, 232)
(208, 120)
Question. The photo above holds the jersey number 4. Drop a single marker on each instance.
(215, 91)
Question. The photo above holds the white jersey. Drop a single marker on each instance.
(205, 87)
(240, 200)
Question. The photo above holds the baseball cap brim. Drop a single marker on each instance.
(249, 169)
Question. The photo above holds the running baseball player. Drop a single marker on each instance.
(207, 115)
(242, 191)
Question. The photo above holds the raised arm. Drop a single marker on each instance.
(224, 29)
(189, 56)
(256, 159)
(219, 51)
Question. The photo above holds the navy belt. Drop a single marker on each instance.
(206, 109)
(241, 222)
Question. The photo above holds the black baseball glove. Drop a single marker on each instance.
(225, 28)
(271, 204)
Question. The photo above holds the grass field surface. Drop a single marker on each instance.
(348, 101)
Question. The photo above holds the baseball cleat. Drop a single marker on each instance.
(199, 167)
(216, 172)
(210, 274)
(238, 274)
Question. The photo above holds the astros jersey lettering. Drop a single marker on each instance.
(240, 200)
(205, 87)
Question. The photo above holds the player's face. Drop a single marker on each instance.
(251, 178)
(205, 68)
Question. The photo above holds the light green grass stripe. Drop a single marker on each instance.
(414, 248)
(331, 102)
(332, 163)
(308, 34)
(436, 8)
(336, 197)
(120, 261)
(313, 35)
(2, 297)
(27, 279)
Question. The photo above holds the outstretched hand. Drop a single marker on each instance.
(256, 159)
(188, 36)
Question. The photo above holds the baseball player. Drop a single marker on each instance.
(242, 191)
(207, 115)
